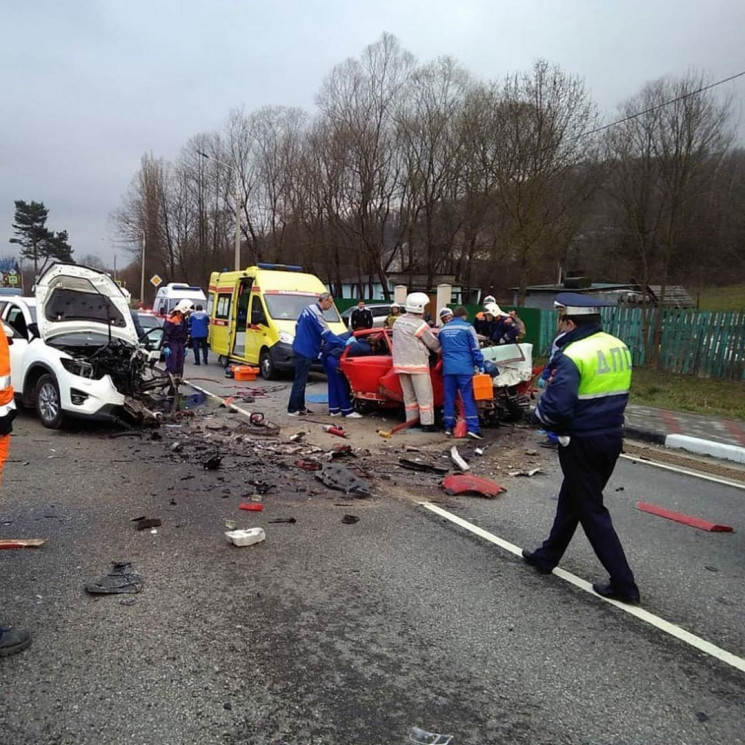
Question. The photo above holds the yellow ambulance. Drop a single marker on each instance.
(253, 313)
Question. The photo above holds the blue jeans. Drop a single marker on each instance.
(462, 384)
(297, 394)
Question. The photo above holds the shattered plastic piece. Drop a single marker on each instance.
(261, 486)
(121, 579)
(695, 522)
(339, 451)
(350, 519)
(251, 506)
(231, 524)
(458, 460)
(212, 463)
(423, 737)
(308, 465)
(297, 436)
(22, 542)
(461, 483)
(177, 447)
(420, 465)
(291, 520)
(143, 523)
(332, 430)
(531, 472)
(342, 479)
(247, 537)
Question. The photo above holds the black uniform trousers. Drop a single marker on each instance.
(587, 464)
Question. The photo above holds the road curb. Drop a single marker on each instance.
(700, 446)
(645, 435)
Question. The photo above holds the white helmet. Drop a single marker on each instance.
(184, 307)
(416, 302)
(494, 310)
(489, 299)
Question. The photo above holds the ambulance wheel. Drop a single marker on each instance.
(268, 370)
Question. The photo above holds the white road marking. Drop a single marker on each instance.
(221, 399)
(685, 471)
(669, 628)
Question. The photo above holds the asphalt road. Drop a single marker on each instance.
(350, 633)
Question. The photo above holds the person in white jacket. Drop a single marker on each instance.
(413, 341)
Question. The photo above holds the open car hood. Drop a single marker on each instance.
(76, 299)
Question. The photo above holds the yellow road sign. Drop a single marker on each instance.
(155, 280)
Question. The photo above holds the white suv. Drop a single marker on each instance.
(73, 347)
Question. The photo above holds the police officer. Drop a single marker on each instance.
(584, 403)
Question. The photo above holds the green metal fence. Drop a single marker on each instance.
(693, 342)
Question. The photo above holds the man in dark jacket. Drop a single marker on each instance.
(460, 356)
(584, 404)
(361, 318)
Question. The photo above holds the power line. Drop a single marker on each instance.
(665, 103)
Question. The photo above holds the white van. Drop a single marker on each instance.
(168, 297)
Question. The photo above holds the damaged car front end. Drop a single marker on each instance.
(81, 357)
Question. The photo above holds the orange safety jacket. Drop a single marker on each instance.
(7, 403)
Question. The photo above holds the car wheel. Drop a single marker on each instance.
(268, 370)
(48, 402)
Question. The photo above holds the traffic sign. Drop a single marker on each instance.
(155, 280)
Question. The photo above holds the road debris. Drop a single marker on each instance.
(212, 463)
(121, 579)
(531, 472)
(247, 537)
(290, 520)
(422, 737)
(461, 483)
(334, 430)
(251, 506)
(679, 517)
(458, 460)
(22, 542)
(415, 464)
(297, 436)
(350, 519)
(309, 465)
(342, 479)
(143, 523)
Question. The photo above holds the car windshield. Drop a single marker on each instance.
(288, 307)
(148, 320)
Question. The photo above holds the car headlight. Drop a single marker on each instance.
(78, 367)
(286, 337)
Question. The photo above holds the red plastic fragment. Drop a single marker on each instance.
(464, 483)
(251, 506)
(679, 517)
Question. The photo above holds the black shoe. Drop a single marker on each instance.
(429, 428)
(530, 558)
(197, 363)
(610, 592)
(13, 640)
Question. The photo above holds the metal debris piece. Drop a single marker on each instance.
(121, 579)
(462, 483)
(22, 542)
(212, 463)
(414, 464)
(458, 460)
(531, 472)
(343, 479)
(291, 520)
(297, 436)
(350, 519)
(143, 523)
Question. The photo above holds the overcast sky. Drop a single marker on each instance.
(88, 86)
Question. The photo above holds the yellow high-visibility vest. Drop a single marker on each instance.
(604, 364)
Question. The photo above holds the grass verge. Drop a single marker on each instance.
(688, 393)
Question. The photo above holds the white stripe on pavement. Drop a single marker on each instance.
(685, 471)
(669, 628)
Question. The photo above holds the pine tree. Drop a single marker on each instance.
(35, 239)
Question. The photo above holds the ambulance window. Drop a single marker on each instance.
(223, 306)
(258, 317)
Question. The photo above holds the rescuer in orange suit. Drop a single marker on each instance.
(11, 640)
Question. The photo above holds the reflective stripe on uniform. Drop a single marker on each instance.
(7, 408)
(4, 381)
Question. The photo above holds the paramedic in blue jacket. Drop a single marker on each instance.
(338, 388)
(310, 333)
(584, 404)
(199, 327)
(460, 356)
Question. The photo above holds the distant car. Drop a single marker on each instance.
(148, 320)
(380, 313)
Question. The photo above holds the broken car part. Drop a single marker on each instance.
(462, 483)
(121, 579)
